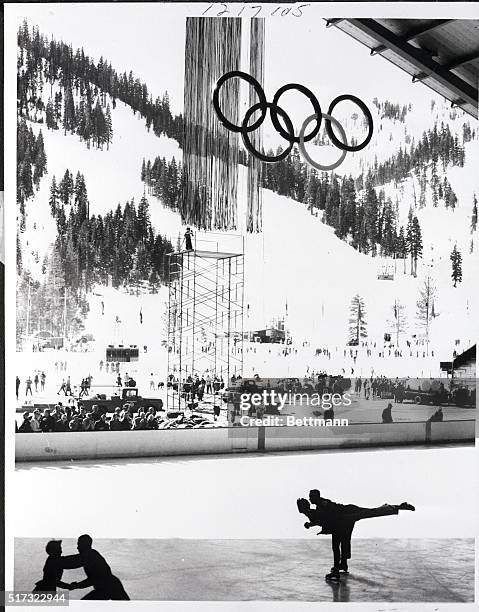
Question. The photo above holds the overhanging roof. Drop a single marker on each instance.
(465, 357)
(440, 53)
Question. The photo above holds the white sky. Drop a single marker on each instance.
(149, 39)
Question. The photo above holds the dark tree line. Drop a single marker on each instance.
(163, 179)
(392, 111)
(436, 145)
(368, 221)
(357, 212)
(90, 119)
(31, 165)
(49, 61)
(120, 246)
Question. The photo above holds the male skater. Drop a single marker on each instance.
(99, 576)
(339, 520)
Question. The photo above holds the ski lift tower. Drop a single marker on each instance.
(205, 317)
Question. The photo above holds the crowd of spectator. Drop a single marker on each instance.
(77, 418)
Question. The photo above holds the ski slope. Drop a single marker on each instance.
(297, 264)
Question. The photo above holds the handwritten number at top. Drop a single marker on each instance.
(296, 12)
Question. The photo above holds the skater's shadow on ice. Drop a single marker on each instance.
(341, 591)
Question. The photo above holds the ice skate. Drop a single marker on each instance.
(334, 575)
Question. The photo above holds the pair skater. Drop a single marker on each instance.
(98, 573)
(339, 520)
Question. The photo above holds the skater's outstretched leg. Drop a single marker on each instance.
(356, 513)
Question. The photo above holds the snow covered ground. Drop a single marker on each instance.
(297, 263)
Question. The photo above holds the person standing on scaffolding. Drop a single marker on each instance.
(188, 239)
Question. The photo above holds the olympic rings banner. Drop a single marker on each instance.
(245, 129)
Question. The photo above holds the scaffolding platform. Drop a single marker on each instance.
(208, 254)
(205, 326)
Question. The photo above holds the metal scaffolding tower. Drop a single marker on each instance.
(205, 323)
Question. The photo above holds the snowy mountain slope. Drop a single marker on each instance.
(297, 260)
(112, 176)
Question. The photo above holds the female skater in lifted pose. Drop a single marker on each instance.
(339, 520)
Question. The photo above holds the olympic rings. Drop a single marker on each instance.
(288, 133)
(289, 125)
(329, 118)
(314, 101)
(344, 146)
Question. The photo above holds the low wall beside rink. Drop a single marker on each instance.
(130, 444)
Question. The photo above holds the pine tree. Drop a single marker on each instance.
(474, 214)
(388, 233)
(109, 125)
(357, 321)
(19, 255)
(69, 118)
(50, 118)
(434, 184)
(401, 247)
(409, 238)
(143, 218)
(456, 261)
(399, 320)
(416, 243)
(53, 201)
(425, 305)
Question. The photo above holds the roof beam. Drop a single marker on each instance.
(414, 33)
(419, 59)
(333, 22)
(461, 60)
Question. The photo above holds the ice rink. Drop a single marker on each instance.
(215, 517)
(272, 570)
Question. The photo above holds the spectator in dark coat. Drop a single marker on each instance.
(88, 423)
(47, 422)
(61, 423)
(75, 423)
(125, 421)
(151, 422)
(26, 427)
(387, 414)
(328, 414)
(437, 416)
(102, 424)
(115, 424)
